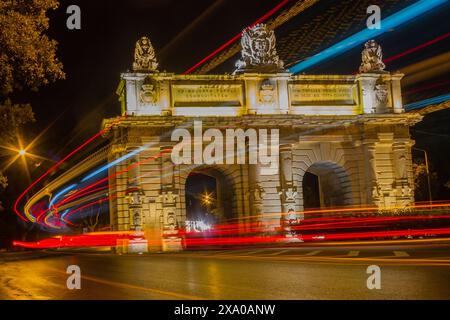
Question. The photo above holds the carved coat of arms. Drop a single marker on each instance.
(381, 96)
(148, 92)
(267, 93)
(258, 50)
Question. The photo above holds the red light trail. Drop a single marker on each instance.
(236, 37)
(120, 172)
(88, 205)
(96, 239)
(74, 197)
(84, 144)
(419, 47)
(248, 233)
(426, 87)
(85, 189)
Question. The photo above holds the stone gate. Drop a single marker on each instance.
(349, 131)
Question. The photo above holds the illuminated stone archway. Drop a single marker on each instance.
(350, 131)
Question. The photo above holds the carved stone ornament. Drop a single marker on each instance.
(290, 208)
(407, 191)
(258, 53)
(258, 193)
(171, 220)
(168, 198)
(137, 220)
(401, 166)
(267, 93)
(144, 56)
(289, 194)
(135, 198)
(381, 96)
(147, 93)
(372, 58)
(377, 193)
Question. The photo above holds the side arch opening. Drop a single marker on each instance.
(325, 185)
(209, 197)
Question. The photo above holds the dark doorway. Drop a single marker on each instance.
(326, 185)
(311, 191)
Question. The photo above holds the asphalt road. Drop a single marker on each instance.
(409, 272)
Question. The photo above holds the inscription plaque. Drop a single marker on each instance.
(323, 94)
(207, 95)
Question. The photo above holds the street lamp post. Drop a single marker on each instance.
(428, 173)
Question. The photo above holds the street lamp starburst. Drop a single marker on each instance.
(207, 199)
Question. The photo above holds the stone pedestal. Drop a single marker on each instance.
(138, 246)
(172, 244)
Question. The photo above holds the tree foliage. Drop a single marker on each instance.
(12, 117)
(27, 60)
(27, 54)
(421, 181)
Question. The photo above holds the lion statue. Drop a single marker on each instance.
(144, 56)
(372, 58)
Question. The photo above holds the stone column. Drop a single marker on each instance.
(134, 196)
(396, 90)
(288, 193)
(251, 93)
(171, 239)
(283, 94)
(256, 193)
(389, 176)
(404, 181)
(373, 190)
(367, 88)
(118, 183)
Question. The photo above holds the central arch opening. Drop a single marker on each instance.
(326, 184)
(209, 198)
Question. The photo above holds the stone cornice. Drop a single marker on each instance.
(268, 121)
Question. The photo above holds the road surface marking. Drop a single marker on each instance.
(401, 254)
(353, 253)
(313, 253)
(249, 252)
(220, 252)
(278, 252)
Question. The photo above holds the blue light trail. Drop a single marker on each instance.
(113, 163)
(60, 194)
(427, 102)
(409, 13)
